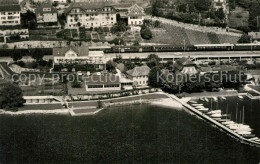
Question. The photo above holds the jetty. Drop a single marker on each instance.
(215, 123)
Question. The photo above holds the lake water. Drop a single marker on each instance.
(138, 133)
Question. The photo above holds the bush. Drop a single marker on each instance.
(245, 29)
(244, 39)
(146, 34)
(11, 97)
(76, 84)
(32, 65)
(106, 29)
(21, 63)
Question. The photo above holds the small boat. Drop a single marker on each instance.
(206, 99)
(193, 102)
(257, 140)
(224, 98)
(236, 127)
(215, 98)
(196, 105)
(202, 99)
(243, 133)
(203, 109)
(228, 123)
(214, 112)
(199, 107)
(224, 115)
(216, 118)
(241, 97)
(246, 134)
(216, 115)
(224, 120)
(254, 139)
(247, 129)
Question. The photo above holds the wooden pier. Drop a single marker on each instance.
(215, 123)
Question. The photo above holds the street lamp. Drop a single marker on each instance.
(184, 45)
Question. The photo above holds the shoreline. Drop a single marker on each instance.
(166, 102)
(90, 110)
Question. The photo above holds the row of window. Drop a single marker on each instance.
(140, 77)
(5, 22)
(136, 22)
(92, 24)
(92, 15)
(92, 10)
(9, 13)
(80, 20)
(142, 82)
(10, 17)
(105, 86)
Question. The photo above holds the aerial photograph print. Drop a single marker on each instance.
(130, 81)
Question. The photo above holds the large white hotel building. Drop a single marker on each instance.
(90, 14)
(10, 14)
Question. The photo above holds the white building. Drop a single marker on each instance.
(218, 4)
(102, 83)
(90, 14)
(133, 13)
(10, 14)
(139, 75)
(46, 13)
(79, 55)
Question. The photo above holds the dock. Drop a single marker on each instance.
(215, 123)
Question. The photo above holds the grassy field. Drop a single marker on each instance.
(239, 17)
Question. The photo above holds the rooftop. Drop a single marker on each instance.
(61, 51)
(40, 10)
(10, 7)
(182, 62)
(139, 71)
(88, 5)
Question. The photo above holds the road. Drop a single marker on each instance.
(196, 55)
(169, 55)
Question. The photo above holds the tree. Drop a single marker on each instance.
(119, 27)
(202, 5)
(220, 14)
(110, 66)
(11, 96)
(153, 77)
(16, 56)
(146, 34)
(153, 60)
(100, 104)
(117, 41)
(28, 20)
(244, 39)
(37, 55)
(129, 64)
(76, 84)
(62, 19)
(55, 4)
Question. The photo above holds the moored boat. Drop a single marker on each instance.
(228, 123)
(214, 112)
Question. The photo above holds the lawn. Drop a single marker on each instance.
(238, 17)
